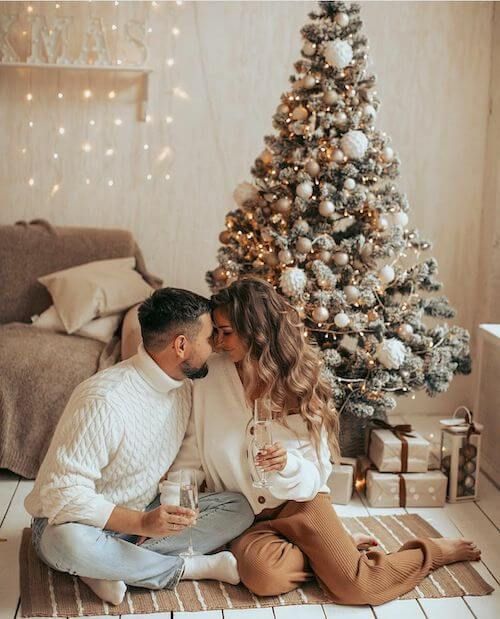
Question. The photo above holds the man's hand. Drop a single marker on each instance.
(167, 520)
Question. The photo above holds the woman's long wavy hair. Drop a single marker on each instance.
(280, 364)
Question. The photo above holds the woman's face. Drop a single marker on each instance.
(226, 339)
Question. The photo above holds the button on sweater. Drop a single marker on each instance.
(118, 434)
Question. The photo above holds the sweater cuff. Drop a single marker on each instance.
(292, 467)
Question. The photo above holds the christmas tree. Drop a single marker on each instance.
(324, 222)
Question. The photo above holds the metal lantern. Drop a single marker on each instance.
(460, 453)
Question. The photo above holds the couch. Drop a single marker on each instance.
(39, 369)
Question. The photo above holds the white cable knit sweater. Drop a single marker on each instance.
(119, 433)
(218, 445)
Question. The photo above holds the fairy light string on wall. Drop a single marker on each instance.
(156, 149)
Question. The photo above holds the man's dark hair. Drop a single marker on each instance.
(169, 312)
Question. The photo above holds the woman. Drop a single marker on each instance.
(296, 532)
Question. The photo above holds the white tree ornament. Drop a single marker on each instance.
(391, 353)
(293, 282)
(49, 44)
(7, 52)
(94, 44)
(338, 53)
(354, 144)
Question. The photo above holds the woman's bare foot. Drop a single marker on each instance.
(457, 550)
(363, 542)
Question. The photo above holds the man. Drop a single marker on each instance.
(96, 491)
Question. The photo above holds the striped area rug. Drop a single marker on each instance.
(47, 593)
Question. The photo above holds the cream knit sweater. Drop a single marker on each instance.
(118, 434)
(218, 444)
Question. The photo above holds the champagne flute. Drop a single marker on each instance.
(262, 436)
(189, 498)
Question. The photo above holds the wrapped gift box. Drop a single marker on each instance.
(406, 489)
(341, 481)
(387, 452)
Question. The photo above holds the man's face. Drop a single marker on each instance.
(200, 349)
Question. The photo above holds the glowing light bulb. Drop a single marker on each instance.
(146, 146)
(87, 147)
(149, 118)
(150, 30)
(167, 177)
(62, 130)
(169, 120)
(110, 183)
(149, 177)
(91, 123)
(60, 95)
(118, 61)
(58, 6)
(118, 121)
(30, 124)
(111, 94)
(110, 152)
(31, 182)
(114, 27)
(23, 150)
(170, 62)
(55, 189)
(116, 3)
(175, 31)
(87, 181)
(29, 97)
(87, 93)
(56, 156)
(30, 9)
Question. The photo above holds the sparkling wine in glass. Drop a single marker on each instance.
(262, 436)
(189, 498)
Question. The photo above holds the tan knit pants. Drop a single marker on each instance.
(277, 555)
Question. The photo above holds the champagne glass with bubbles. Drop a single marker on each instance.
(189, 498)
(262, 436)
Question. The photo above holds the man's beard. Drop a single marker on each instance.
(193, 372)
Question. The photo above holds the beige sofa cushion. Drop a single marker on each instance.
(101, 329)
(95, 289)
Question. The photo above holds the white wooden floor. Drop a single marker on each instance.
(478, 521)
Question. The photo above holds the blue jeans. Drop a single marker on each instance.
(83, 550)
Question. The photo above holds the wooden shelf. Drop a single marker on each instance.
(143, 71)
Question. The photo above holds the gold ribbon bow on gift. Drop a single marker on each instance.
(401, 431)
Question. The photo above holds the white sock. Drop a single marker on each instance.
(112, 591)
(221, 566)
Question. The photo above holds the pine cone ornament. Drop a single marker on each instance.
(354, 144)
(338, 53)
(293, 282)
(391, 353)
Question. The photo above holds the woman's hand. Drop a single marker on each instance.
(271, 458)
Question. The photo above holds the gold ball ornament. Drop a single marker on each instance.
(309, 82)
(351, 293)
(387, 154)
(303, 245)
(220, 274)
(405, 330)
(266, 156)
(309, 48)
(338, 155)
(305, 190)
(285, 256)
(326, 208)
(342, 320)
(271, 259)
(320, 314)
(283, 205)
(225, 237)
(341, 258)
(300, 113)
(330, 96)
(342, 19)
(372, 315)
(312, 167)
(325, 256)
(283, 109)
